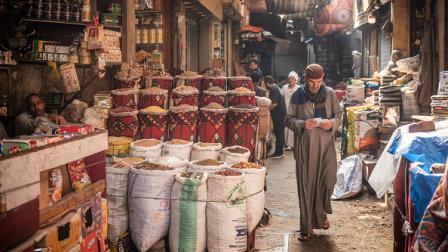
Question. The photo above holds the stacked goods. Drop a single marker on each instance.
(351, 127)
(205, 151)
(116, 192)
(177, 148)
(355, 93)
(149, 194)
(97, 115)
(146, 148)
(376, 97)
(366, 126)
(112, 43)
(164, 81)
(128, 76)
(241, 81)
(213, 95)
(191, 79)
(123, 121)
(409, 99)
(125, 97)
(439, 107)
(118, 146)
(185, 95)
(209, 81)
(443, 83)
(241, 96)
(153, 123)
(226, 212)
(153, 96)
(254, 176)
(234, 154)
(242, 128)
(188, 222)
(387, 80)
(390, 96)
(172, 162)
(212, 124)
(206, 165)
(183, 122)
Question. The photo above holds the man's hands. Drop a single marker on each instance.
(57, 119)
(323, 124)
(310, 124)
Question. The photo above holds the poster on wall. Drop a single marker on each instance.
(70, 78)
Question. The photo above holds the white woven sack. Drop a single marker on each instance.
(233, 158)
(171, 161)
(205, 152)
(182, 151)
(226, 213)
(145, 152)
(193, 167)
(149, 194)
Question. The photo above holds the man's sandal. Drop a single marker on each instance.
(326, 225)
(303, 237)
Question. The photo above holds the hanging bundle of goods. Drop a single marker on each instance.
(164, 81)
(212, 124)
(205, 151)
(214, 78)
(185, 95)
(242, 128)
(183, 122)
(191, 79)
(241, 96)
(125, 97)
(129, 76)
(241, 81)
(153, 123)
(213, 95)
(188, 230)
(254, 176)
(226, 196)
(123, 121)
(153, 96)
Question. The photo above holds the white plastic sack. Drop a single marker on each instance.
(182, 151)
(211, 151)
(255, 179)
(226, 213)
(349, 178)
(234, 158)
(193, 167)
(188, 222)
(145, 152)
(117, 202)
(171, 161)
(149, 195)
(94, 118)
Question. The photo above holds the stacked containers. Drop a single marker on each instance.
(185, 95)
(189, 79)
(212, 125)
(240, 81)
(153, 123)
(125, 97)
(123, 122)
(153, 97)
(242, 128)
(213, 95)
(161, 81)
(183, 121)
(213, 81)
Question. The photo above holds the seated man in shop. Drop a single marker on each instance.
(28, 122)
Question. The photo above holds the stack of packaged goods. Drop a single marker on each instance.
(439, 107)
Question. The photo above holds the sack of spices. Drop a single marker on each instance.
(191, 79)
(161, 81)
(183, 122)
(117, 201)
(123, 121)
(177, 148)
(240, 81)
(149, 195)
(213, 95)
(205, 151)
(206, 165)
(234, 154)
(125, 97)
(242, 127)
(188, 230)
(172, 162)
(254, 176)
(214, 81)
(146, 148)
(153, 96)
(240, 96)
(212, 126)
(185, 95)
(226, 212)
(153, 123)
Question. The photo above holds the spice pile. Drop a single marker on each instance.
(147, 142)
(242, 90)
(208, 162)
(153, 166)
(215, 105)
(192, 175)
(133, 160)
(179, 141)
(154, 109)
(247, 165)
(215, 89)
(129, 72)
(228, 173)
(237, 150)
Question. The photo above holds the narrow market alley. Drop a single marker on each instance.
(361, 222)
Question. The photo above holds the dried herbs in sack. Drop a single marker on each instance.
(226, 212)
(153, 97)
(242, 127)
(185, 95)
(213, 95)
(123, 122)
(214, 81)
(212, 126)
(164, 81)
(188, 219)
(240, 81)
(254, 176)
(125, 97)
(242, 96)
(183, 121)
(234, 154)
(177, 148)
(205, 151)
(149, 195)
(190, 79)
(206, 165)
(153, 123)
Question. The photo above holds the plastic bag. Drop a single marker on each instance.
(74, 112)
(349, 178)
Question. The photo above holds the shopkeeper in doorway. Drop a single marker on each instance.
(28, 122)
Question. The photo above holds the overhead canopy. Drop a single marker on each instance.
(293, 6)
(212, 7)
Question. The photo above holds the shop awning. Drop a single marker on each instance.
(250, 28)
(212, 7)
(293, 6)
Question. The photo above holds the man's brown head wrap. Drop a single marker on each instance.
(314, 71)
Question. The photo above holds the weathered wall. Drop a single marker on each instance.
(401, 21)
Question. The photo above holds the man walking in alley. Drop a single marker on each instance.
(314, 116)
(278, 114)
(287, 91)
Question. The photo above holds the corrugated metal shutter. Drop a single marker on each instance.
(385, 48)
